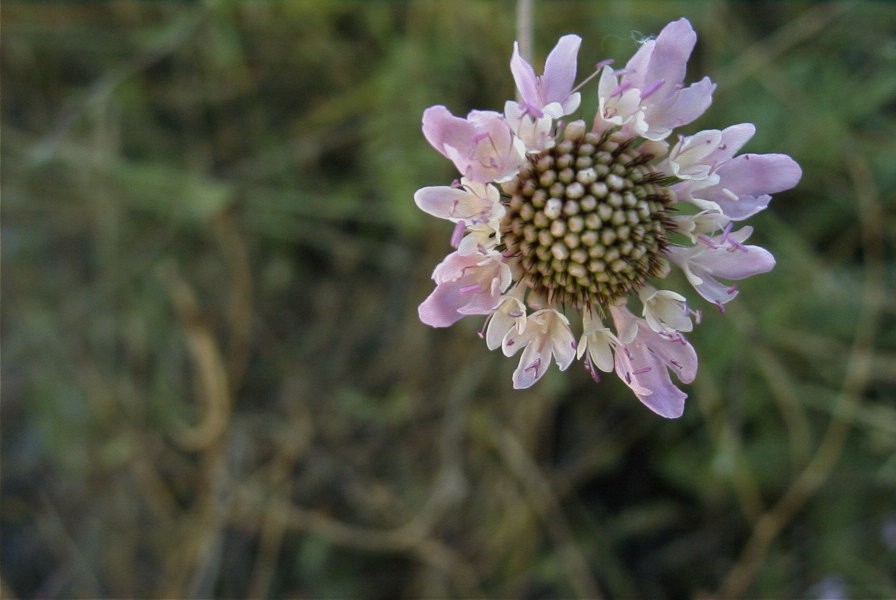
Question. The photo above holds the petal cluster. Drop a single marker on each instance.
(621, 201)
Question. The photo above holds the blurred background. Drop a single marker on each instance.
(215, 383)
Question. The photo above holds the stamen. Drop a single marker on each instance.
(708, 242)
(621, 89)
(731, 195)
(535, 365)
(652, 88)
(597, 69)
(458, 234)
(590, 368)
(531, 110)
(726, 237)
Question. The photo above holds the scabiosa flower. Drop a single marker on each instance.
(561, 221)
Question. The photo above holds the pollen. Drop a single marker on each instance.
(588, 219)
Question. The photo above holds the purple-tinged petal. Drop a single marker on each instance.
(688, 159)
(560, 71)
(532, 366)
(738, 264)
(682, 107)
(535, 132)
(673, 350)
(524, 77)
(444, 130)
(546, 335)
(746, 181)
(482, 146)
(650, 381)
(474, 203)
(553, 90)
(509, 314)
(733, 139)
(465, 285)
(663, 59)
(444, 202)
(644, 364)
(722, 256)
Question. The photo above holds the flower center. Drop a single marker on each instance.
(587, 219)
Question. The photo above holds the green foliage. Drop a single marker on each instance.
(215, 383)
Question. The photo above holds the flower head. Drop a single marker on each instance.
(552, 216)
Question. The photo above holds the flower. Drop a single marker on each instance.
(546, 335)
(551, 93)
(555, 219)
(647, 97)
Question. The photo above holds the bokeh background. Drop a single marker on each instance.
(215, 384)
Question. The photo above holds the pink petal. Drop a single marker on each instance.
(465, 285)
(524, 77)
(682, 107)
(733, 139)
(560, 70)
(753, 174)
(531, 368)
(664, 58)
(442, 129)
(559, 76)
(751, 177)
(441, 201)
(650, 381)
(738, 264)
(440, 309)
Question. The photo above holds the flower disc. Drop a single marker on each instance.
(587, 219)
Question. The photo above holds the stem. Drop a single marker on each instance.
(524, 27)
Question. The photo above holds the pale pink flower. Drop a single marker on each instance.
(509, 314)
(596, 345)
(723, 256)
(466, 284)
(546, 335)
(550, 94)
(536, 132)
(697, 156)
(647, 97)
(664, 310)
(482, 146)
(745, 184)
(552, 217)
(716, 180)
(643, 362)
(475, 206)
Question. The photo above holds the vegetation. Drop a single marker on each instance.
(215, 383)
